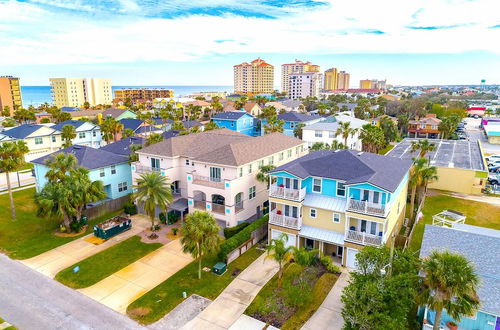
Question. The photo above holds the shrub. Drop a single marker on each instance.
(240, 238)
(175, 230)
(130, 208)
(231, 231)
(172, 218)
(329, 265)
(163, 217)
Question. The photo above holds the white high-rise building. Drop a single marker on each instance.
(74, 92)
(297, 67)
(305, 84)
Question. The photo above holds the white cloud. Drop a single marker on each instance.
(33, 34)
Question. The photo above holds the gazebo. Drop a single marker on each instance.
(447, 218)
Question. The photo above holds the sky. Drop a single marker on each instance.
(196, 42)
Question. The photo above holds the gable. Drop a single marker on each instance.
(43, 131)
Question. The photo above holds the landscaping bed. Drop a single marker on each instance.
(302, 292)
(101, 265)
(156, 303)
(31, 235)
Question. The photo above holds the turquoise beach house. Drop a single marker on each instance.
(239, 121)
(292, 120)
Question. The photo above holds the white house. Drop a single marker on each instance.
(87, 133)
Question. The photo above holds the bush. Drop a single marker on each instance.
(240, 238)
(329, 265)
(231, 231)
(172, 217)
(175, 230)
(163, 217)
(130, 208)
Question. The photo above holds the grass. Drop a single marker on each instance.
(303, 291)
(386, 149)
(166, 296)
(30, 235)
(478, 214)
(99, 266)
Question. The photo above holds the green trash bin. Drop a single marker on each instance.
(219, 268)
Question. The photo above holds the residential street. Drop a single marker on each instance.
(30, 300)
(25, 178)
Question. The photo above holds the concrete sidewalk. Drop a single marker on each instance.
(52, 262)
(328, 315)
(227, 308)
(120, 289)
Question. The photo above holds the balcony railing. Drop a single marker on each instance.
(200, 205)
(287, 193)
(208, 181)
(238, 207)
(146, 169)
(285, 221)
(366, 207)
(363, 238)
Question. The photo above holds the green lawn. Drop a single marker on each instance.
(478, 214)
(30, 235)
(101, 265)
(166, 296)
(303, 291)
(386, 149)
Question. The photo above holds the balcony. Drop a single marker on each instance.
(363, 238)
(285, 221)
(200, 205)
(287, 193)
(146, 169)
(208, 181)
(366, 207)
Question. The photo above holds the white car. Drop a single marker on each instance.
(494, 162)
(494, 179)
(492, 157)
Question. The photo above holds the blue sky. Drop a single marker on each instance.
(196, 42)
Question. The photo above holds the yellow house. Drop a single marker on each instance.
(339, 202)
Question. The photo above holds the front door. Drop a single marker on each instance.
(340, 250)
(309, 244)
(215, 174)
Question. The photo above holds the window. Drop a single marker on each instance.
(317, 185)
(331, 135)
(155, 164)
(270, 160)
(261, 163)
(250, 168)
(366, 195)
(215, 174)
(312, 213)
(376, 197)
(280, 156)
(241, 172)
(294, 211)
(340, 189)
(81, 135)
(251, 192)
(113, 169)
(187, 161)
(38, 140)
(318, 133)
(336, 218)
(101, 172)
(289, 153)
(122, 186)
(373, 228)
(53, 138)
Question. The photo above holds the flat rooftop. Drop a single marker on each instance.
(449, 153)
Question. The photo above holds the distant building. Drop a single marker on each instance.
(209, 94)
(87, 133)
(292, 119)
(40, 139)
(365, 84)
(343, 80)
(10, 93)
(143, 94)
(239, 121)
(74, 92)
(302, 85)
(331, 79)
(297, 67)
(254, 77)
(427, 127)
(118, 114)
(372, 83)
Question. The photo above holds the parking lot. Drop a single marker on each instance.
(474, 133)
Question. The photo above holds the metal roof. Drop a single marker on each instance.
(325, 202)
(230, 115)
(297, 117)
(320, 234)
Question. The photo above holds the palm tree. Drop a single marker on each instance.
(263, 174)
(127, 132)
(111, 128)
(200, 236)
(152, 192)
(178, 126)
(11, 160)
(424, 146)
(274, 125)
(59, 166)
(211, 126)
(84, 190)
(319, 146)
(153, 138)
(297, 131)
(134, 157)
(279, 252)
(372, 138)
(427, 175)
(68, 133)
(24, 115)
(305, 257)
(345, 130)
(450, 282)
(337, 145)
(54, 201)
(421, 174)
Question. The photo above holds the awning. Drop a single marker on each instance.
(323, 235)
(180, 205)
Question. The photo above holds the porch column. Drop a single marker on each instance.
(321, 247)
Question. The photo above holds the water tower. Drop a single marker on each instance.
(483, 84)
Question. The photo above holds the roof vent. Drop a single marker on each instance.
(360, 153)
(77, 147)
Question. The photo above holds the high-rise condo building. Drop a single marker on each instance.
(74, 92)
(331, 79)
(297, 67)
(304, 84)
(146, 94)
(10, 93)
(372, 84)
(343, 80)
(254, 77)
(365, 84)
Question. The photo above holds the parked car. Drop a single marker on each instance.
(492, 157)
(493, 163)
(494, 179)
(494, 169)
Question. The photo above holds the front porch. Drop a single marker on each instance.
(328, 243)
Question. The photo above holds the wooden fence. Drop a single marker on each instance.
(256, 236)
(106, 207)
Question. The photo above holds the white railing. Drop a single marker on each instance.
(287, 193)
(366, 207)
(208, 181)
(146, 169)
(363, 238)
(285, 221)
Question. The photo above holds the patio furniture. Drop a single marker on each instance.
(112, 227)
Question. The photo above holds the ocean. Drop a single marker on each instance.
(36, 95)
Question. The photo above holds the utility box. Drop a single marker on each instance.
(219, 268)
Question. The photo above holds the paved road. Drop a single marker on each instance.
(475, 133)
(25, 178)
(31, 300)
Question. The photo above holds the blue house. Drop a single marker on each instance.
(123, 146)
(239, 121)
(110, 168)
(481, 246)
(292, 119)
(338, 202)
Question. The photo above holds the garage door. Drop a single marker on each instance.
(291, 237)
(351, 258)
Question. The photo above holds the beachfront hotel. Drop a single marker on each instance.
(253, 78)
(296, 67)
(10, 93)
(74, 92)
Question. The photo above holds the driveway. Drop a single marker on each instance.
(52, 262)
(117, 291)
(227, 308)
(32, 301)
(328, 315)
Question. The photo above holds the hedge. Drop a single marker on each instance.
(231, 231)
(240, 238)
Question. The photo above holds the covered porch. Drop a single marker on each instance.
(329, 243)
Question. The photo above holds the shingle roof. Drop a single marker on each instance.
(480, 247)
(114, 112)
(22, 131)
(84, 113)
(231, 115)
(187, 123)
(74, 123)
(222, 146)
(122, 147)
(131, 123)
(87, 157)
(350, 166)
(332, 123)
(298, 117)
(170, 134)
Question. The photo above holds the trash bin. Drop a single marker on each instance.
(219, 268)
